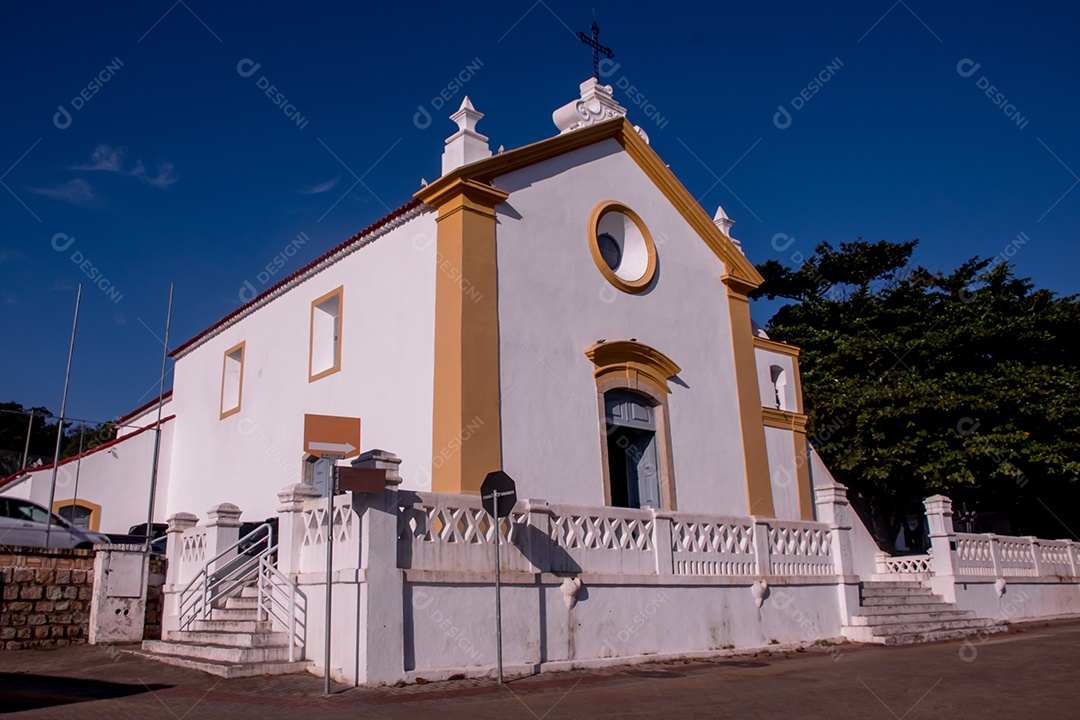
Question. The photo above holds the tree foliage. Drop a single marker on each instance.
(16, 420)
(919, 382)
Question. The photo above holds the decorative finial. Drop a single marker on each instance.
(597, 48)
(466, 145)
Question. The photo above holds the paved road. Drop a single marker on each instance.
(1030, 673)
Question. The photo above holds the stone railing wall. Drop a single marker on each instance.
(453, 532)
(46, 597)
(971, 557)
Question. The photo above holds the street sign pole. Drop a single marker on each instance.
(502, 490)
(498, 588)
(329, 565)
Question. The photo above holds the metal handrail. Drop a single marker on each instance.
(282, 610)
(194, 605)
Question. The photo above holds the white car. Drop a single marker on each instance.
(24, 523)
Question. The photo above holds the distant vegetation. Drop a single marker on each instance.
(15, 420)
(917, 382)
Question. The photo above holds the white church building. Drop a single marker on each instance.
(566, 312)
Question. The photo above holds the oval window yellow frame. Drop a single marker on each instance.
(637, 249)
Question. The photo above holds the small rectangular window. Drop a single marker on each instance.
(325, 357)
(232, 380)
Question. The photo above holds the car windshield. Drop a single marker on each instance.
(21, 510)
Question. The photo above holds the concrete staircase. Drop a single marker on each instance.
(897, 612)
(232, 643)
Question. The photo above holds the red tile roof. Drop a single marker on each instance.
(143, 408)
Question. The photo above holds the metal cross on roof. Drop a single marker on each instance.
(597, 48)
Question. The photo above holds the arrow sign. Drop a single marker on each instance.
(331, 436)
(334, 448)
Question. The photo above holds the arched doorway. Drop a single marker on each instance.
(633, 464)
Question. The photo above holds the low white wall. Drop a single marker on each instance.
(450, 627)
(1024, 598)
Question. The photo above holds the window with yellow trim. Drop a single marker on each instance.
(325, 355)
(232, 380)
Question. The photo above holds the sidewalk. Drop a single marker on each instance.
(1030, 672)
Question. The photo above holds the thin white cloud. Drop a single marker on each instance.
(109, 159)
(103, 158)
(320, 188)
(163, 179)
(76, 192)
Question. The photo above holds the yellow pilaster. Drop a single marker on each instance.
(466, 425)
(758, 483)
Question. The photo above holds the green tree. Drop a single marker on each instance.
(919, 382)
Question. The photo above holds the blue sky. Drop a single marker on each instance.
(140, 146)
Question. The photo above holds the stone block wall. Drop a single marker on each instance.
(155, 598)
(45, 596)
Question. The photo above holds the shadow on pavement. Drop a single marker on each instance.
(25, 691)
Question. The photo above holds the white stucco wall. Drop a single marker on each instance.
(554, 303)
(387, 361)
(116, 477)
(782, 472)
(447, 627)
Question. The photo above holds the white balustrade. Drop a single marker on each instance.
(346, 528)
(799, 548)
(439, 531)
(704, 545)
(602, 540)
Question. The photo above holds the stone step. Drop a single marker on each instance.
(222, 669)
(218, 653)
(231, 626)
(910, 609)
(249, 591)
(905, 584)
(867, 635)
(909, 628)
(939, 635)
(917, 591)
(228, 613)
(242, 603)
(888, 618)
(232, 639)
(900, 600)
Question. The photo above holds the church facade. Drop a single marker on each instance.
(568, 313)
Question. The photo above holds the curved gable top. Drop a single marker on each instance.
(738, 266)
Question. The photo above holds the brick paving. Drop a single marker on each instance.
(1029, 673)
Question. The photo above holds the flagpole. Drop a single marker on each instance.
(157, 432)
(63, 409)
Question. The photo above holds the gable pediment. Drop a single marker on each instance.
(739, 268)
